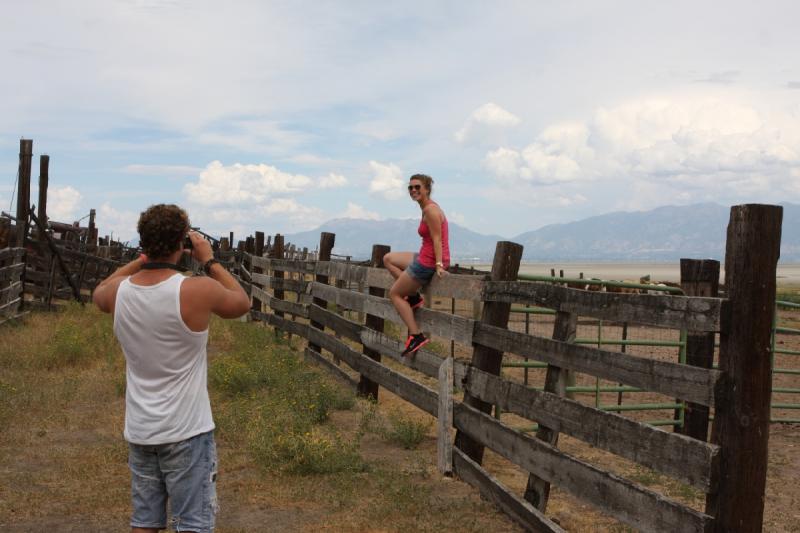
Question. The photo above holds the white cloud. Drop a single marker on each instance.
(357, 211)
(457, 217)
(62, 203)
(484, 121)
(119, 223)
(332, 181)
(717, 145)
(242, 184)
(300, 217)
(387, 180)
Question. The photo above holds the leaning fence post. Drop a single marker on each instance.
(44, 177)
(742, 406)
(368, 387)
(277, 253)
(24, 189)
(326, 241)
(699, 277)
(444, 448)
(505, 267)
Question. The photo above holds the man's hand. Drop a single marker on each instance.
(201, 248)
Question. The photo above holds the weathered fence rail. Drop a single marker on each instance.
(322, 297)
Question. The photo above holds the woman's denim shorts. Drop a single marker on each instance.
(419, 272)
(185, 473)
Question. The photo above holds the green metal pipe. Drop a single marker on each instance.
(641, 407)
(791, 305)
(785, 420)
(791, 331)
(786, 352)
(607, 283)
(786, 390)
(523, 364)
(793, 371)
(533, 310)
(786, 405)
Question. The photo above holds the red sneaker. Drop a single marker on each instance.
(414, 343)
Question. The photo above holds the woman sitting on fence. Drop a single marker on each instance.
(411, 271)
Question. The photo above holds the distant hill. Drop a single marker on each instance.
(662, 234)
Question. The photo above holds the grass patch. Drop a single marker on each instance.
(398, 428)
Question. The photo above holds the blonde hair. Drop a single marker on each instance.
(426, 180)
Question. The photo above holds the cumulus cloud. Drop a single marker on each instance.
(387, 180)
(714, 144)
(485, 121)
(357, 211)
(300, 217)
(242, 184)
(332, 181)
(62, 203)
(120, 223)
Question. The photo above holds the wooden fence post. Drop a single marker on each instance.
(444, 418)
(41, 206)
(742, 408)
(258, 251)
(326, 242)
(505, 267)
(556, 380)
(699, 277)
(277, 253)
(24, 189)
(367, 387)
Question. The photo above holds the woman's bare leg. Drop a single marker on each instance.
(405, 286)
(397, 262)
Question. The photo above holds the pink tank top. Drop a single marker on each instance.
(427, 256)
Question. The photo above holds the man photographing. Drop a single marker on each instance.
(161, 321)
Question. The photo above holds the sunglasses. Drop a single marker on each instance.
(414, 187)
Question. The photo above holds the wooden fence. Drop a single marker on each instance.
(306, 298)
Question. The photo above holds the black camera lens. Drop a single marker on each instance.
(187, 243)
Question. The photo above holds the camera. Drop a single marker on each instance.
(187, 243)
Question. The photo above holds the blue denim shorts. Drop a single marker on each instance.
(185, 473)
(419, 272)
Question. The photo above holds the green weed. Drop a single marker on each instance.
(406, 431)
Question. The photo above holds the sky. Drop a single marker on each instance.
(278, 116)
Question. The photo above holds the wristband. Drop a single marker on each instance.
(440, 264)
(207, 266)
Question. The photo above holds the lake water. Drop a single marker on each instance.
(788, 274)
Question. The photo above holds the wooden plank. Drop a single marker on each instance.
(628, 502)
(338, 373)
(11, 253)
(11, 291)
(326, 242)
(673, 379)
(741, 421)
(279, 283)
(298, 309)
(686, 459)
(403, 386)
(10, 272)
(522, 512)
(679, 312)
(444, 420)
(441, 324)
(423, 361)
(344, 327)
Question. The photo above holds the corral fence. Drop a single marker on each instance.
(342, 311)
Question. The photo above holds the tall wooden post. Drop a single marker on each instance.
(41, 206)
(277, 253)
(258, 251)
(742, 408)
(326, 241)
(699, 277)
(367, 387)
(505, 267)
(24, 189)
(91, 241)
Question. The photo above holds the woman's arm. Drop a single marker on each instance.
(433, 218)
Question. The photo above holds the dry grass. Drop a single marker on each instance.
(295, 451)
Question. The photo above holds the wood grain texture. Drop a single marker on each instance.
(679, 312)
(673, 379)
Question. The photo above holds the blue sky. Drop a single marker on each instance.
(277, 116)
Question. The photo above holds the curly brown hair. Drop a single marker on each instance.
(426, 180)
(162, 228)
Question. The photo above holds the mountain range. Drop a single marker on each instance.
(662, 234)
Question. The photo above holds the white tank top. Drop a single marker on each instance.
(166, 398)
